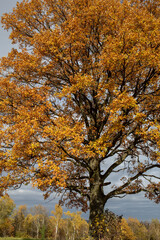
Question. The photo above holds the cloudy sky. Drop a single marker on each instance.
(135, 206)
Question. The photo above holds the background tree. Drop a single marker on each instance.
(126, 231)
(6, 227)
(80, 100)
(78, 226)
(19, 220)
(138, 229)
(40, 219)
(7, 207)
(57, 233)
(57, 218)
(154, 230)
(29, 225)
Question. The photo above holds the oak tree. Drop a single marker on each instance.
(80, 100)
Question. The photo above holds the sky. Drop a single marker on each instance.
(136, 206)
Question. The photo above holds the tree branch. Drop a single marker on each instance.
(120, 190)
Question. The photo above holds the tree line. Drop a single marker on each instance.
(39, 224)
(36, 222)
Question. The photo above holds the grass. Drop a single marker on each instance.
(15, 238)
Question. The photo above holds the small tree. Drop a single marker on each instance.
(80, 100)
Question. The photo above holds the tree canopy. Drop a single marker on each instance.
(80, 100)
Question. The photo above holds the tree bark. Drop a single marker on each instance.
(97, 203)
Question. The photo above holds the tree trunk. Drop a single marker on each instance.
(96, 228)
(56, 232)
(97, 203)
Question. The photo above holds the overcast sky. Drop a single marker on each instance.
(135, 206)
